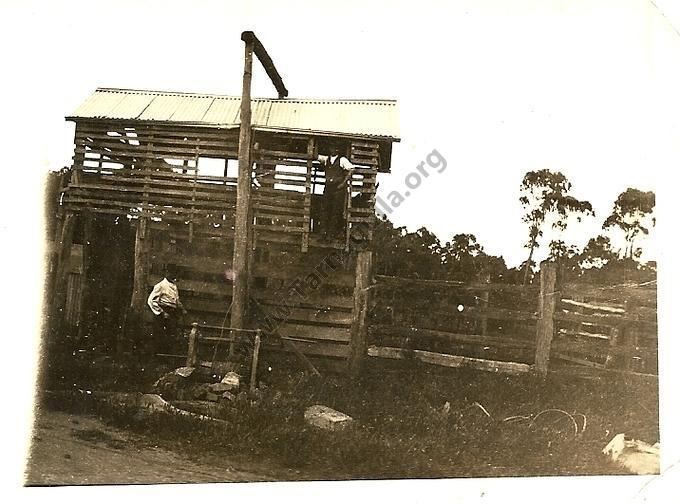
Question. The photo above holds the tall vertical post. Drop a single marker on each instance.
(141, 266)
(134, 320)
(84, 308)
(61, 277)
(357, 344)
(485, 278)
(241, 226)
(545, 326)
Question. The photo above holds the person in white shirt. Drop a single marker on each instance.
(166, 306)
(338, 170)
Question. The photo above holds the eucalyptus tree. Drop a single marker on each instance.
(545, 195)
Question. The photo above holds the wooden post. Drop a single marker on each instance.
(631, 337)
(613, 342)
(141, 267)
(88, 237)
(256, 357)
(545, 326)
(241, 226)
(134, 319)
(309, 190)
(364, 280)
(192, 353)
(484, 298)
(61, 277)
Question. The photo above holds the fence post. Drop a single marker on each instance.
(357, 344)
(631, 337)
(484, 278)
(192, 354)
(256, 357)
(614, 333)
(545, 327)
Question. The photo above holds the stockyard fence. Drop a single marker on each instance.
(572, 328)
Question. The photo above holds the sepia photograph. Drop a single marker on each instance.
(338, 241)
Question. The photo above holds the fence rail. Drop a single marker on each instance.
(547, 327)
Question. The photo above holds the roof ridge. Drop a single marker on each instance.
(389, 101)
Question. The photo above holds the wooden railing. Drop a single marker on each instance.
(512, 328)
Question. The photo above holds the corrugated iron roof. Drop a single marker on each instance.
(376, 118)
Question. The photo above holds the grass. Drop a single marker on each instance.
(402, 428)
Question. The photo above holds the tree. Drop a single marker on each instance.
(597, 253)
(632, 214)
(544, 194)
(401, 253)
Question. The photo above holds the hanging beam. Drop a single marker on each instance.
(249, 38)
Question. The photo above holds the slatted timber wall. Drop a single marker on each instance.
(151, 170)
(282, 197)
(304, 299)
(309, 300)
(365, 156)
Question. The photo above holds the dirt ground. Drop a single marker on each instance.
(411, 421)
(69, 449)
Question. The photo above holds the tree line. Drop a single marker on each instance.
(548, 204)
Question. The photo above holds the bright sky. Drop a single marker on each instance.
(588, 87)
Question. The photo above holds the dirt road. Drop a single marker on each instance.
(81, 450)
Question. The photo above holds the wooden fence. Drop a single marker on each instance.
(516, 329)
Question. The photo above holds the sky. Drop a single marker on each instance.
(498, 88)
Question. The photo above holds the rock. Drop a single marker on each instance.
(212, 397)
(222, 368)
(152, 402)
(232, 380)
(198, 391)
(169, 385)
(636, 456)
(184, 372)
(219, 388)
(446, 409)
(228, 396)
(326, 418)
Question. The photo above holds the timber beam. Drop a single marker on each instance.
(249, 38)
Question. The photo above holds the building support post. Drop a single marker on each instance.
(61, 277)
(85, 302)
(135, 316)
(362, 293)
(242, 225)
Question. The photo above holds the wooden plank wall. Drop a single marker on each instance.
(289, 175)
(281, 200)
(308, 295)
(151, 170)
(302, 296)
(365, 156)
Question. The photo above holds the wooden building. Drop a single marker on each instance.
(166, 165)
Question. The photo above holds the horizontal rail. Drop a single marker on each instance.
(417, 282)
(447, 360)
(590, 306)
